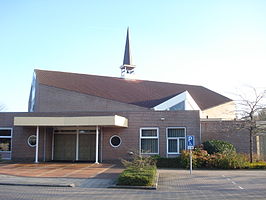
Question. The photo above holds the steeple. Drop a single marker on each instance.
(127, 69)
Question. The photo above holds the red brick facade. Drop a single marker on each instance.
(130, 136)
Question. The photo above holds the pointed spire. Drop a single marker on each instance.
(127, 69)
(127, 54)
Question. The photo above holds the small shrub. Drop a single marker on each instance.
(139, 161)
(137, 177)
(141, 171)
(230, 161)
(256, 165)
(168, 162)
(201, 159)
(218, 146)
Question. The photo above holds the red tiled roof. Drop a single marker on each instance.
(138, 92)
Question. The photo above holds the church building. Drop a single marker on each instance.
(82, 117)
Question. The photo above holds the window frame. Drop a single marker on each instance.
(175, 138)
(112, 138)
(8, 137)
(28, 141)
(149, 137)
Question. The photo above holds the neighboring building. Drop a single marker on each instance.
(97, 118)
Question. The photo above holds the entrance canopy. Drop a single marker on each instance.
(117, 121)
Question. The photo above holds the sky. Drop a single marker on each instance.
(220, 45)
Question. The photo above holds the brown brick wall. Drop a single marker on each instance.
(131, 136)
(52, 99)
(228, 131)
(21, 151)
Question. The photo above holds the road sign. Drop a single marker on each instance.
(190, 142)
(190, 146)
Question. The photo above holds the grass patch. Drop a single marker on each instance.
(138, 176)
(140, 171)
(256, 165)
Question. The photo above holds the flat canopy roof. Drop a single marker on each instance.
(115, 120)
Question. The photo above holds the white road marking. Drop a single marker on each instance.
(229, 179)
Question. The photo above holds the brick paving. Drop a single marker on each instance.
(67, 170)
(173, 184)
(213, 184)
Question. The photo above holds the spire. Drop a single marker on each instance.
(127, 69)
(127, 54)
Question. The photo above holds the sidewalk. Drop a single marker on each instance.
(102, 180)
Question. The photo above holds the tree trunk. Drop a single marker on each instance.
(251, 146)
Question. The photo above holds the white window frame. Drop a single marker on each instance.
(11, 129)
(175, 138)
(28, 140)
(149, 137)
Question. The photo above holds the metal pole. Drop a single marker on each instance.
(190, 158)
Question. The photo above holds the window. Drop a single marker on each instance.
(176, 140)
(179, 106)
(5, 139)
(149, 140)
(32, 141)
(115, 141)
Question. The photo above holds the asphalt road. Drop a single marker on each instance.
(173, 184)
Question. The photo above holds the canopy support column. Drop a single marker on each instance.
(37, 145)
(97, 146)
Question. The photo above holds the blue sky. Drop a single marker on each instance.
(217, 44)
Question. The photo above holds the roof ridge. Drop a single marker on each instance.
(119, 78)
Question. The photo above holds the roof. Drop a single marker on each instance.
(137, 92)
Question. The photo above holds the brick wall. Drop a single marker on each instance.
(131, 136)
(229, 131)
(50, 99)
(21, 151)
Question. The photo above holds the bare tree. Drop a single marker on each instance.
(2, 107)
(249, 110)
(262, 115)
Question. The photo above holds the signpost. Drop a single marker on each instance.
(190, 146)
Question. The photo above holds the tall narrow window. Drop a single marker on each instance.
(176, 140)
(149, 140)
(5, 139)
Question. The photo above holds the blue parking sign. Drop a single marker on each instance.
(190, 142)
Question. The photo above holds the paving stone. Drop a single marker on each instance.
(173, 184)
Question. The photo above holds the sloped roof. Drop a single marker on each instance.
(138, 92)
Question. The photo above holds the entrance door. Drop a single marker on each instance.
(65, 147)
(87, 147)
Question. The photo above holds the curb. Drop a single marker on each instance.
(39, 185)
(152, 187)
